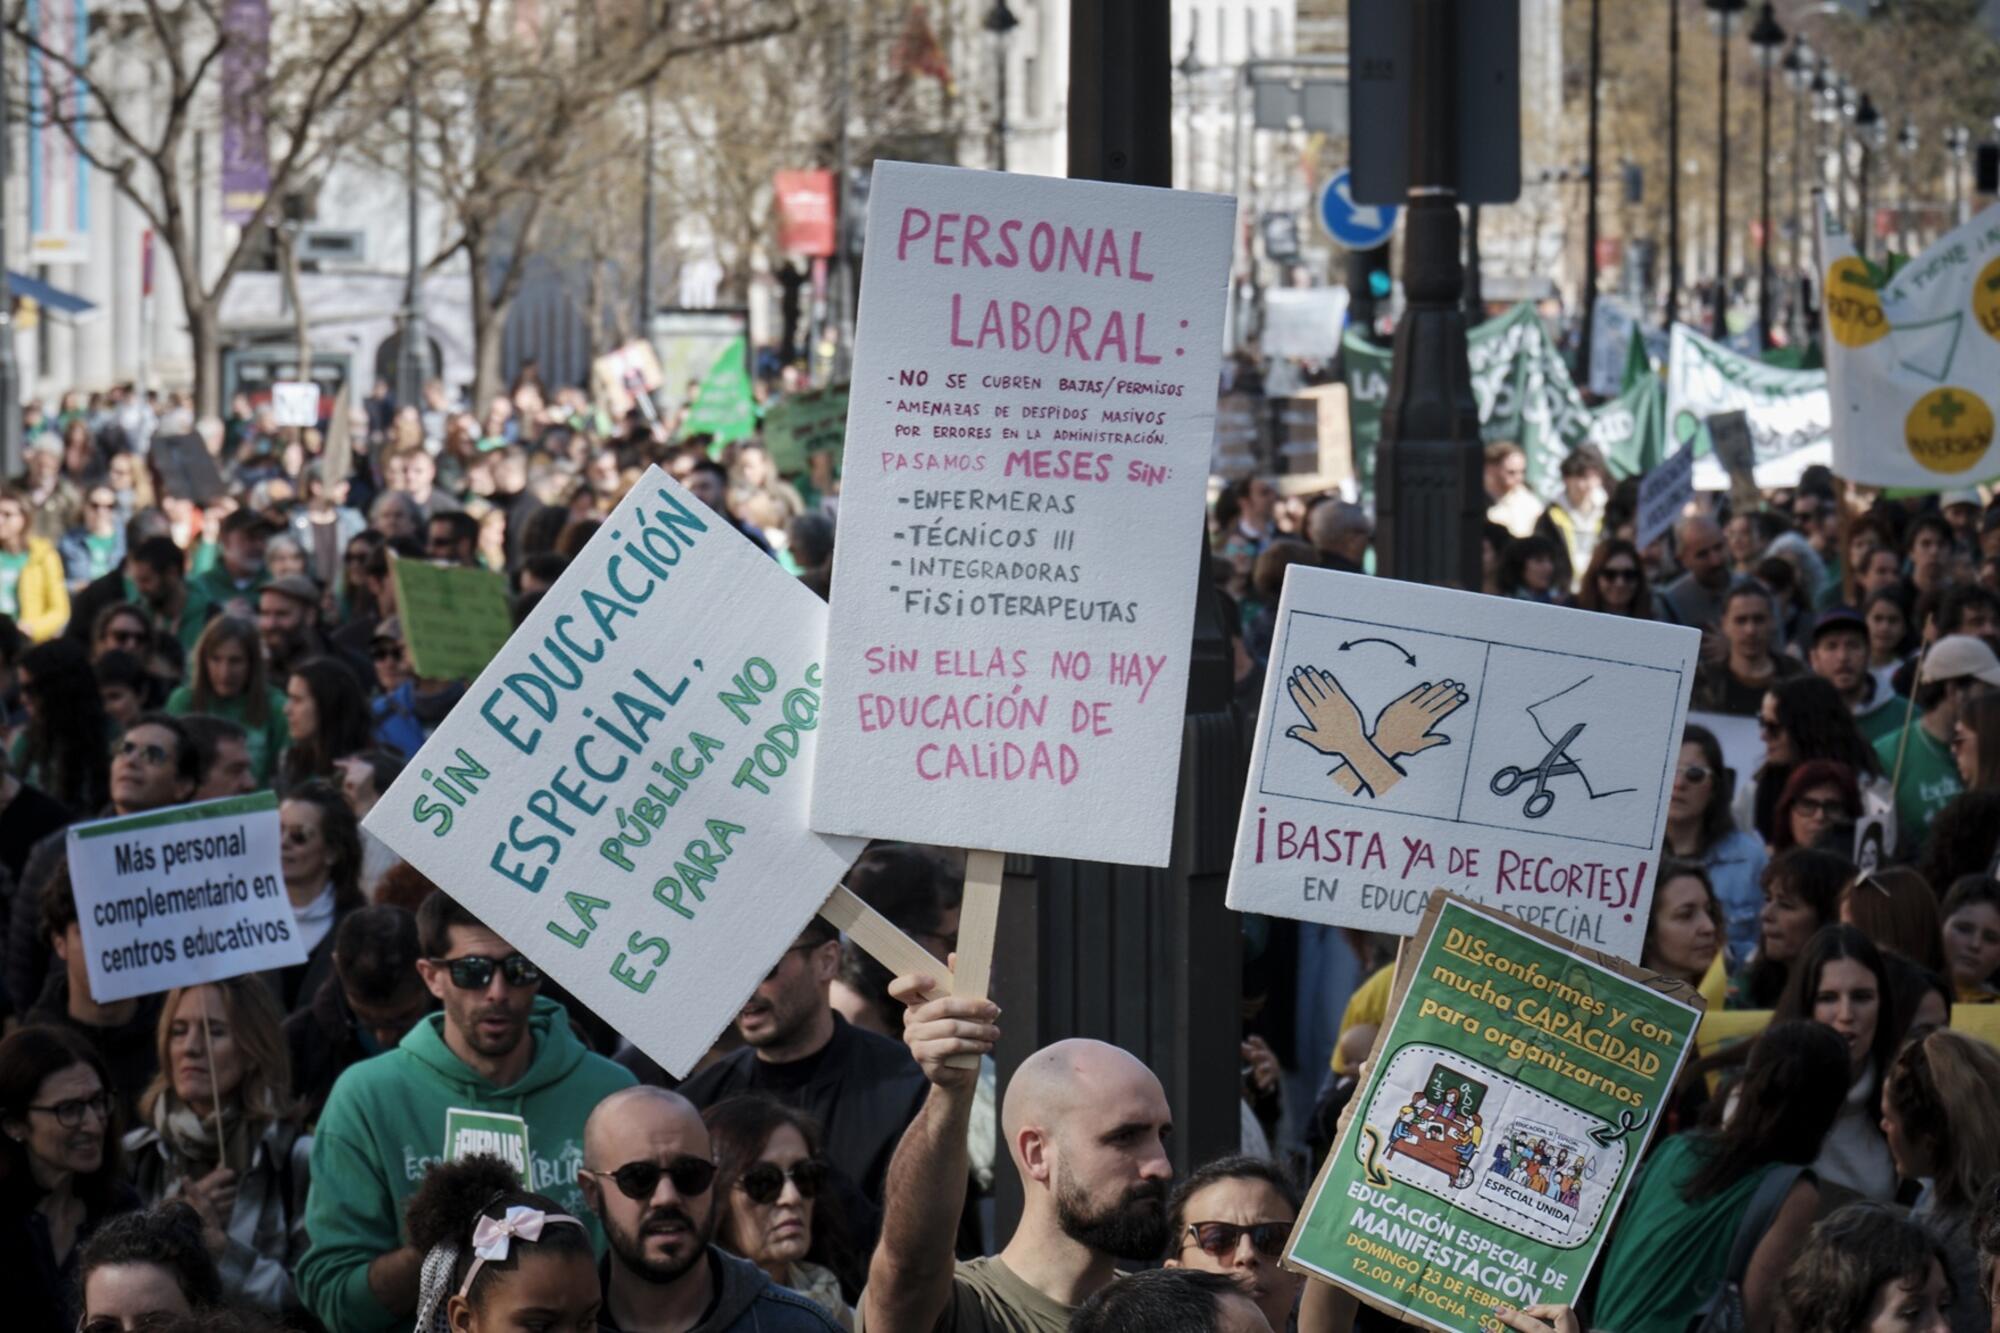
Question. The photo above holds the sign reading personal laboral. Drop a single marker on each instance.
(1501, 1117)
(1414, 737)
(1914, 363)
(1028, 436)
(622, 793)
(180, 896)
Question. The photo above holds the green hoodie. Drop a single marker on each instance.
(384, 1124)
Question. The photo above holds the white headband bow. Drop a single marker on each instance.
(493, 1237)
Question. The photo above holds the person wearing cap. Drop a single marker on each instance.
(288, 623)
(1838, 654)
(232, 582)
(55, 505)
(1961, 510)
(1956, 668)
(407, 710)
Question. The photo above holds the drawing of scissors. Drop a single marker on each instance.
(1556, 763)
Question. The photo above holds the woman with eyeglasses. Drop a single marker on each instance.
(96, 546)
(320, 853)
(772, 1204)
(1701, 828)
(326, 717)
(1615, 583)
(229, 682)
(1800, 720)
(1232, 1216)
(142, 1269)
(1817, 808)
(65, 748)
(34, 589)
(225, 1064)
(61, 1176)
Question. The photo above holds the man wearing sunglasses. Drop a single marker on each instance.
(1086, 1125)
(649, 1174)
(499, 1047)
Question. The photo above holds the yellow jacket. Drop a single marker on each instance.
(42, 596)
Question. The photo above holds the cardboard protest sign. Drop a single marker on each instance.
(1412, 737)
(1303, 321)
(470, 1133)
(803, 424)
(621, 795)
(1663, 494)
(187, 470)
(295, 402)
(1030, 432)
(454, 617)
(627, 378)
(1499, 1121)
(1788, 411)
(183, 895)
(1913, 361)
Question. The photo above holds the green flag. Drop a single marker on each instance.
(1638, 364)
(723, 406)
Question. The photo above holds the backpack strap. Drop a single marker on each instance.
(1762, 1211)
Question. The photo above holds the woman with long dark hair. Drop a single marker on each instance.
(65, 748)
(1937, 1112)
(320, 854)
(1841, 982)
(1891, 637)
(61, 1175)
(228, 682)
(1801, 719)
(1801, 894)
(1669, 1253)
(1869, 1269)
(1701, 828)
(771, 1202)
(1615, 582)
(327, 719)
(1528, 570)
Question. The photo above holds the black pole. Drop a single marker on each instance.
(1719, 319)
(1000, 102)
(1861, 220)
(1797, 248)
(1429, 502)
(1764, 220)
(10, 371)
(1673, 160)
(413, 351)
(1590, 210)
(1475, 296)
(647, 223)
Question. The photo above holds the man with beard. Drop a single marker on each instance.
(1086, 1126)
(498, 1047)
(1696, 597)
(649, 1174)
(1839, 655)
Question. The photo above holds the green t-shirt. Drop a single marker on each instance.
(103, 553)
(10, 582)
(266, 742)
(1885, 719)
(1929, 780)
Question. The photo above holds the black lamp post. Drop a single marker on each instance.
(1673, 161)
(1906, 150)
(1724, 9)
(1189, 68)
(1586, 333)
(1868, 128)
(1799, 78)
(10, 372)
(1958, 140)
(413, 352)
(1000, 21)
(1766, 36)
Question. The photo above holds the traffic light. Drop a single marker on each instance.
(1368, 282)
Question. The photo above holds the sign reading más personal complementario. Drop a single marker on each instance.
(1028, 436)
(180, 896)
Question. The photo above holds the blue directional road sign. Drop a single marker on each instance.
(1354, 226)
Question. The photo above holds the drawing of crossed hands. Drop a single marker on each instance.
(1405, 727)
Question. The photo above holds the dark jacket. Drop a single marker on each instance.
(325, 1040)
(297, 986)
(863, 1089)
(128, 1050)
(41, 1294)
(28, 953)
(746, 1301)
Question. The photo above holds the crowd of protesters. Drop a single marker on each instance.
(265, 1151)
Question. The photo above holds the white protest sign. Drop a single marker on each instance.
(1788, 411)
(180, 896)
(295, 402)
(1915, 366)
(622, 794)
(1029, 436)
(1663, 494)
(1414, 738)
(1303, 322)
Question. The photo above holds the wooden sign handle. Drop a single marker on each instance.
(881, 940)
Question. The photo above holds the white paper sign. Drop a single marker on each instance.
(1414, 738)
(1027, 451)
(1663, 494)
(295, 402)
(622, 794)
(180, 896)
(1303, 322)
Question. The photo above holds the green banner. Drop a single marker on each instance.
(1525, 393)
(723, 407)
(454, 617)
(803, 424)
(1502, 1116)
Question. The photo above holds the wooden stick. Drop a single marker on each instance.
(214, 1092)
(879, 938)
(978, 921)
(1903, 738)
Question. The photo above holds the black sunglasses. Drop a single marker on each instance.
(476, 973)
(1219, 1238)
(638, 1180)
(765, 1181)
(1617, 575)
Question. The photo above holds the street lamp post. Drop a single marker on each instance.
(1590, 210)
(1673, 160)
(413, 349)
(647, 224)
(1189, 68)
(1766, 36)
(1869, 130)
(1719, 321)
(1000, 21)
(1798, 77)
(10, 371)
(1906, 150)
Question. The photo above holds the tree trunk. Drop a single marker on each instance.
(204, 323)
(487, 381)
(301, 327)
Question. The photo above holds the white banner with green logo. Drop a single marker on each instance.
(1788, 410)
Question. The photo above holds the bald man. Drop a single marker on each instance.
(1696, 597)
(649, 1174)
(1086, 1125)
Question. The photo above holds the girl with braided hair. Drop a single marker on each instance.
(497, 1257)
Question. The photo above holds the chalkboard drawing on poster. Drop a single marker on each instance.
(1441, 1126)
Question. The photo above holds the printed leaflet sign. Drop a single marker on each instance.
(1499, 1122)
(1412, 737)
